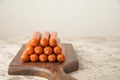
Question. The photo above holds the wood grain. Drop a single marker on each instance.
(52, 71)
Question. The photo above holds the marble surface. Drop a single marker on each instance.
(99, 57)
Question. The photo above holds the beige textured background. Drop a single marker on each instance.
(70, 18)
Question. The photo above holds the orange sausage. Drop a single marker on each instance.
(38, 49)
(25, 57)
(52, 58)
(35, 39)
(53, 39)
(60, 58)
(45, 39)
(28, 44)
(29, 49)
(43, 57)
(48, 50)
(57, 50)
(34, 57)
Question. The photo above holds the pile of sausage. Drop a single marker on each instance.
(44, 47)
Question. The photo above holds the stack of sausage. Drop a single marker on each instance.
(43, 48)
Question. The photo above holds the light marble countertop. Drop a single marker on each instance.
(99, 58)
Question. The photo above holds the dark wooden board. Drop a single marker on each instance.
(52, 71)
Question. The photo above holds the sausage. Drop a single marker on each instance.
(48, 50)
(45, 39)
(38, 49)
(28, 44)
(29, 49)
(52, 58)
(57, 50)
(34, 57)
(25, 57)
(60, 57)
(35, 40)
(53, 39)
(43, 57)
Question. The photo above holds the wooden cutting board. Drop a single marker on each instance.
(52, 71)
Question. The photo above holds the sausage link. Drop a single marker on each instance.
(53, 39)
(60, 58)
(52, 58)
(45, 39)
(57, 50)
(43, 57)
(34, 57)
(48, 50)
(25, 57)
(29, 49)
(35, 40)
(39, 50)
